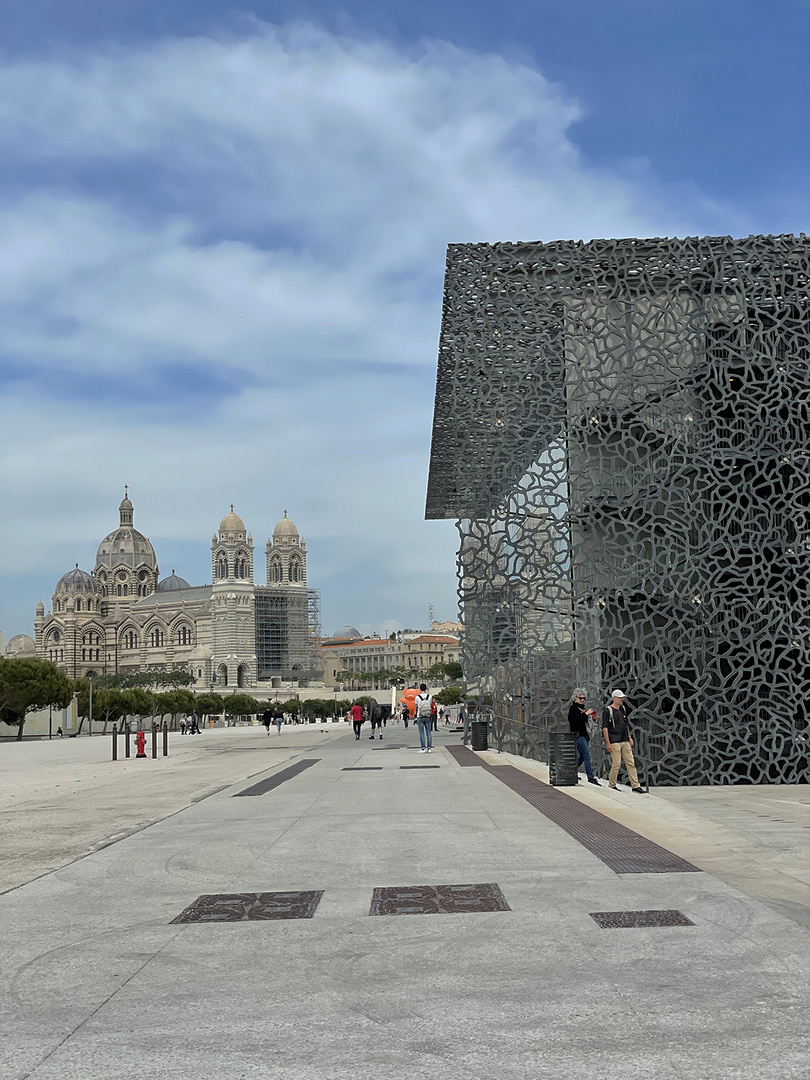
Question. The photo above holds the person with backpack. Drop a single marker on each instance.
(424, 716)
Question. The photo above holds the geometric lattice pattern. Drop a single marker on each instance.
(438, 900)
(622, 429)
(628, 920)
(251, 907)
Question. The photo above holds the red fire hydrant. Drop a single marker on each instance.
(140, 742)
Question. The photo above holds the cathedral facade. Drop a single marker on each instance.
(122, 617)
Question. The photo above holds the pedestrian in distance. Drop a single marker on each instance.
(279, 718)
(405, 715)
(434, 716)
(183, 725)
(267, 720)
(424, 716)
(579, 722)
(59, 732)
(356, 714)
(375, 714)
(619, 741)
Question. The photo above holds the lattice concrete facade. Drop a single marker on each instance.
(622, 428)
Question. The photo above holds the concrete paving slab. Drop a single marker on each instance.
(95, 981)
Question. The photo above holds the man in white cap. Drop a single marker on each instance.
(619, 741)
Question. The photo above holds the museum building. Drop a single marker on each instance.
(122, 617)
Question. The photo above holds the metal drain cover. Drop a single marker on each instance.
(437, 900)
(626, 920)
(251, 907)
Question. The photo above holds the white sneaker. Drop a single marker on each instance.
(423, 751)
(429, 750)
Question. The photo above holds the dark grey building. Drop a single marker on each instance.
(622, 429)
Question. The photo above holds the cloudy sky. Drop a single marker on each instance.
(223, 231)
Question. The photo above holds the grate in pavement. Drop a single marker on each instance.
(464, 756)
(363, 768)
(271, 782)
(626, 920)
(437, 900)
(624, 851)
(251, 907)
(420, 766)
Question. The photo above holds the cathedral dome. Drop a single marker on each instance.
(347, 633)
(76, 581)
(285, 528)
(21, 646)
(232, 523)
(125, 546)
(172, 584)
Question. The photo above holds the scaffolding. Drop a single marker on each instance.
(287, 623)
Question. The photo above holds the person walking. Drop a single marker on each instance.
(434, 716)
(356, 713)
(405, 715)
(375, 715)
(267, 720)
(279, 721)
(578, 717)
(619, 741)
(423, 702)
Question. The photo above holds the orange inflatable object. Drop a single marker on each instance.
(409, 698)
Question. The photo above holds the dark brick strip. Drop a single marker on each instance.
(624, 851)
(271, 782)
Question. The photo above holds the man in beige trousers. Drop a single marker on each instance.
(619, 741)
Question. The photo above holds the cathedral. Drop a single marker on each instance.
(121, 617)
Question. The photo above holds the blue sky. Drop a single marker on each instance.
(222, 234)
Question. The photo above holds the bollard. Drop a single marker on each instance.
(154, 739)
(140, 743)
(125, 729)
(165, 739)
(115, 742)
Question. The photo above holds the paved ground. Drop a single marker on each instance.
(97, 981)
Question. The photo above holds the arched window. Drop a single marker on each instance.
(156, 638)
(78, 605)
(130, 639)
(126, 590)
(120, 587)
(295, 570)
(275, 569)
(184, 635)
(222, 568)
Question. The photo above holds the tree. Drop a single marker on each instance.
(27, 685)
(452, 670)
(208, 704)
(450, 695)
(241, 705)
(316, 707)
(136, 702)
(292, 706)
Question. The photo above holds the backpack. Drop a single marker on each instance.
(424, 706)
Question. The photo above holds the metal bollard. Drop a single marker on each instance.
(154, 739)
(115, 742)
(125, 729)
(165, 739)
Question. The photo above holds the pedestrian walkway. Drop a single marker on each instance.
(360, 917)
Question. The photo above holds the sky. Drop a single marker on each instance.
(223, 234)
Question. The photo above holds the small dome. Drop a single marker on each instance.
(232, 523)
(76, 581)
(40, 608)
(125, 504)
(21, 645)
(172, 584)
(285, 527)
(345, 633)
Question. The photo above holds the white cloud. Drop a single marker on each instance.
(275, 208)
